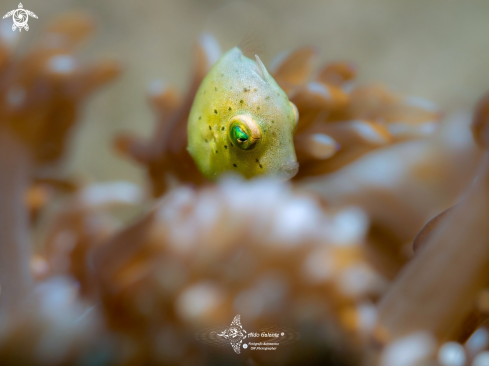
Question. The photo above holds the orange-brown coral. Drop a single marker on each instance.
(340, 121)
(451, 267)
(201, 257)
(165, 156)
(40, 94)
(41, 91)
(79, 225)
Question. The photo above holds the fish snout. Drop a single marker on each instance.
(289, 170)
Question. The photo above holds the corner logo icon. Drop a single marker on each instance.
(20, 17)
(234, 334)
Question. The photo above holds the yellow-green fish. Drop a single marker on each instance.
(242, 121)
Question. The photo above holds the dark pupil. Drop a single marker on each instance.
(241, 136)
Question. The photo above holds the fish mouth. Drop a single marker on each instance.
(289, 170)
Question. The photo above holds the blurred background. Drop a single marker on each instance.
(434, 49)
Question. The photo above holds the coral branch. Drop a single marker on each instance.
(15, 276)
(40, 95)
(436, 291)
(165, 157)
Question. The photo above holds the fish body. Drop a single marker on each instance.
(242, 121)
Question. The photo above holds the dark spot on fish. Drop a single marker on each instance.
(200, 117)
(232, 144)
(261, 166)
(225, 146)
(230, 109)
(222, 128)
(215, 111)
(241, 101)
(216, 151)
(257, 108)
(235, 165)
(273, 122)
(257, 160)
(210, 128)
(206, 140)
(246, 90)
(215, 89)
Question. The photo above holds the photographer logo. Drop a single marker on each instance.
(266, 339)
(20, 17)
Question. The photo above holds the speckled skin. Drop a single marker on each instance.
(236, 85)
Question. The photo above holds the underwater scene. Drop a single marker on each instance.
(244, 182)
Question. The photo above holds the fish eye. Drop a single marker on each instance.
(244, 132)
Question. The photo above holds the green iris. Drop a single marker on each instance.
(240, 136)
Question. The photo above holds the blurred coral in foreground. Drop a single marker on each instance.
(330, 257)
(201, 257)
